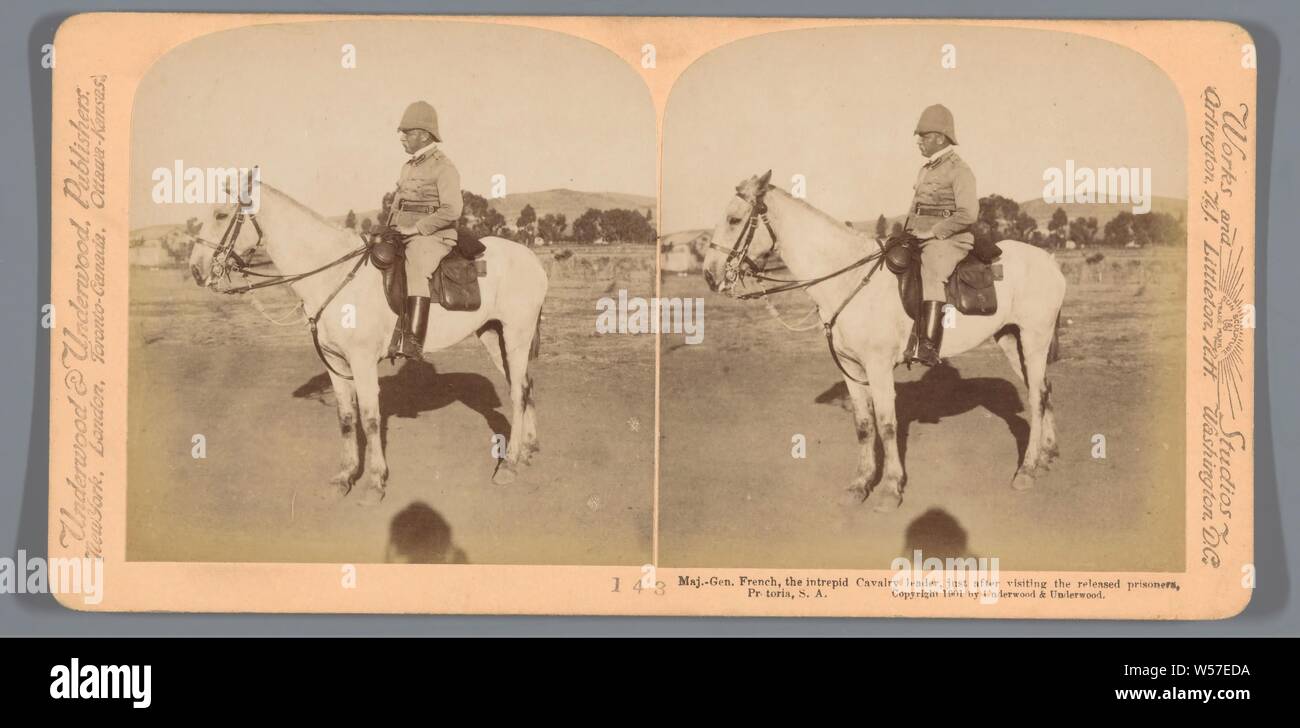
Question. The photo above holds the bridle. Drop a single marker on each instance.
(224, 258)
(226, 261)
(738, 253)
(740, 266)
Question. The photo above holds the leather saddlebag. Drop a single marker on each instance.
(455, 284)
(971, 290)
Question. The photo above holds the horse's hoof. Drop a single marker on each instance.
(372, 495)
(505, 475)
(1023, 481)
(530, 449)
(888, 501)
(334, 490)
(853, 496)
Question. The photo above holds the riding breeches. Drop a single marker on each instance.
(423, 253)
(938, 258)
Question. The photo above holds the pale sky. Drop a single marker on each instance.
(544, 109)
(839, 106)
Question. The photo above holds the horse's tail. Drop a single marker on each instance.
(536, 346)
(1054, 349)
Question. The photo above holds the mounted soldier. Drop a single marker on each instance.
(426, 207)
(944, 207)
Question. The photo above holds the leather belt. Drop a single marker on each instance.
(416, 207)
(925, 211)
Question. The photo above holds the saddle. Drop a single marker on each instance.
(970, 287)
(454, 285)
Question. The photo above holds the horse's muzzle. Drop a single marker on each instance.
(197, 273)
(708, 278)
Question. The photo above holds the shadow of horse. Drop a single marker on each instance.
(420, 535)
(942, 392)
(417, 387)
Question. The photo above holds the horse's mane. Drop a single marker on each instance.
(808, 206)
(301, 207)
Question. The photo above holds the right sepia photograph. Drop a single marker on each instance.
(940, 274)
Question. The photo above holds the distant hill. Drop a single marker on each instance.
(1104, 212)
(570, 203)
(1042, 212)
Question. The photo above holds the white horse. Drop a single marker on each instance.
(871, 332)
(342, 290)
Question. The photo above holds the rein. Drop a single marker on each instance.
(226, 261)
(738, 254)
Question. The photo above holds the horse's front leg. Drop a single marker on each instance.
(350, 467)
(880, 372)
(864, 420)
(375, 482)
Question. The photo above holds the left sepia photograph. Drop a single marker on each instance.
(366, 261)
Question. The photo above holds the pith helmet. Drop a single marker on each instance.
(937, 118)
(420, 115)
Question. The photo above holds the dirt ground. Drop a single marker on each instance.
(212, 365)
(732, 495)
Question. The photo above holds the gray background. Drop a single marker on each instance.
(24, 357)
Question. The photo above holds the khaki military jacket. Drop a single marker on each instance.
(945, 203)
(428, 195)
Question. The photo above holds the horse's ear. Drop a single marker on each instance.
(764, 180)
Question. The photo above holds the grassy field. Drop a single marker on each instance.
(210, 364)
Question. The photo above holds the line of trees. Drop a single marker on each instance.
(482, 219)
(550, 227)
(1001, 218)
(614, 226)
(1152, 228)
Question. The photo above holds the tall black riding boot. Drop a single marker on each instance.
(931, 334)
(417, 325)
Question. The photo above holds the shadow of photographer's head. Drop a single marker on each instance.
(420, 535)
